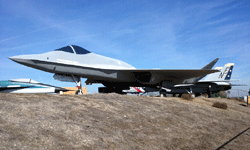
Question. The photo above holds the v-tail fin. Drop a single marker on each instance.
(196, 79)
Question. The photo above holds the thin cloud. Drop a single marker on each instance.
(35, 31)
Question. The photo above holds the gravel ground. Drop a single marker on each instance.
(112, 121)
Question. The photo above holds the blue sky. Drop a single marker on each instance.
(146, 34)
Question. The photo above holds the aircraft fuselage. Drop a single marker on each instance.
(112, 73)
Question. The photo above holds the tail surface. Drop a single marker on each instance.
(211, 64)
(224, 74)
(208, 66)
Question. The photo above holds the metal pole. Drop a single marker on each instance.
(248, 101)
(238, 93)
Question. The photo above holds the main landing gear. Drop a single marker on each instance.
(208, 91)
(190, 92)
(110, 90)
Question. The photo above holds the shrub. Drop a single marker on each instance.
(188, 97)
(221, 94)
(220, 105)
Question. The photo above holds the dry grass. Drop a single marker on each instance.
(204, 95)
(237, 99)
(112, 121)
(220, 105)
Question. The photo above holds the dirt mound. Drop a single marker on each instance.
(112, 121)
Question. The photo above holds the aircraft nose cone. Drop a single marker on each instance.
(12, 58)
(16, 59)
(21, 59)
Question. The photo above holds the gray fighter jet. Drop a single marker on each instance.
(71, 63)
(213, 83)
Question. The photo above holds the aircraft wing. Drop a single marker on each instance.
(239, 84)
(14, 87)
(175, 76)
(207, 81)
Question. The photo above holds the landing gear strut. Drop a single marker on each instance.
(78, 82)
(208, 91)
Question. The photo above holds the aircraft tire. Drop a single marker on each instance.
(104, 90)
(192, 95)
(110, 90)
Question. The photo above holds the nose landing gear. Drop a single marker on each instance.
(78, 82)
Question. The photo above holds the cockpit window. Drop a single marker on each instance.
(74, 49)
(80, 50)
(65, 49)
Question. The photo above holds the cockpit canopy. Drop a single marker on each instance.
(73, 49)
